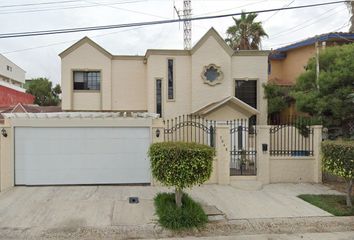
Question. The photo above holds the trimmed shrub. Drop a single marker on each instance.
(181, 164)
(338, 159)
(172, 217)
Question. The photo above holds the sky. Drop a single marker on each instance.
(38, 55)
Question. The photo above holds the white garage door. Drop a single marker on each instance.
(45, 156)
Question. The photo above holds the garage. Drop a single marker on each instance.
(78, 148)
(81, 155)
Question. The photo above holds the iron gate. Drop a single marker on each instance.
(190, 128)
(243, 153)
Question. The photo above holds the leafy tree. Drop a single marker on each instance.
(44, 94)
(181, 165)
(246, 34)
(278, 97)
(329, 99)
(338, 159)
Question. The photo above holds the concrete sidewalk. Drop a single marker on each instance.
(100, 206)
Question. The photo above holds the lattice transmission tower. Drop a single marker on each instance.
(187, 23)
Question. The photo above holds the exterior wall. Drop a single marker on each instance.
(253, 68)
(288, 69)
(86, 100)
(11, 97)
(297, 169)
(86, 57)
(157, 68)
(227, 113)
(6, 160)
(11, 84)
(17, 74)
(210, 53)
(128, 83)
(129, 90)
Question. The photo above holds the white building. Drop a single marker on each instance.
(11, 75)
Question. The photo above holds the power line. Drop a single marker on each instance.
(223, 10)
(286, 5)
(72, 30)
(128, 10)
(297, 28)
(292, 42)
(36, 4)
(69, 41)
(67, 7)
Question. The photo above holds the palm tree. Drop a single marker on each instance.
(246, 34)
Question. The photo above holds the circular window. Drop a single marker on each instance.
(212, 74)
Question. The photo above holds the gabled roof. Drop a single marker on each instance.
(81, 42)
(174, 52)
(333, 36)
(213, 33)
(231, 99)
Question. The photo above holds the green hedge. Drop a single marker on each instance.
(181, 164)
(190, 215)
(338, 158)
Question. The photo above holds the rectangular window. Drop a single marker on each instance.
(87, 80)
(159, 97)
(170, 91)
(246, 91)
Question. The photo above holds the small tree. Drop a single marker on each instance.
(338, 159)
(329, 98)
(44, 94)
(181, 165)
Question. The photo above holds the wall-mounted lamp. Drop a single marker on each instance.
(3, 132)
(158, 133)
(264, 147)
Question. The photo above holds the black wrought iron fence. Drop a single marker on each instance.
(243, 153)
(190, 128)
(295, 138)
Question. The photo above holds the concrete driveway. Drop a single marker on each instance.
(105, 206)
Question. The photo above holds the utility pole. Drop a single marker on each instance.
(187, 23)
(317, 64)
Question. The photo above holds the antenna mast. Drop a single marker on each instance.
(187, 23)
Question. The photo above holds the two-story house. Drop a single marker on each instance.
(287, 63)
(210, 80)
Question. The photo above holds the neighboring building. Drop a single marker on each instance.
(210, 80)
(287, 63)
(12, 79)
(11, 75)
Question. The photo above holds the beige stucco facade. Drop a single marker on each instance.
(128, 83)
(288, 70)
